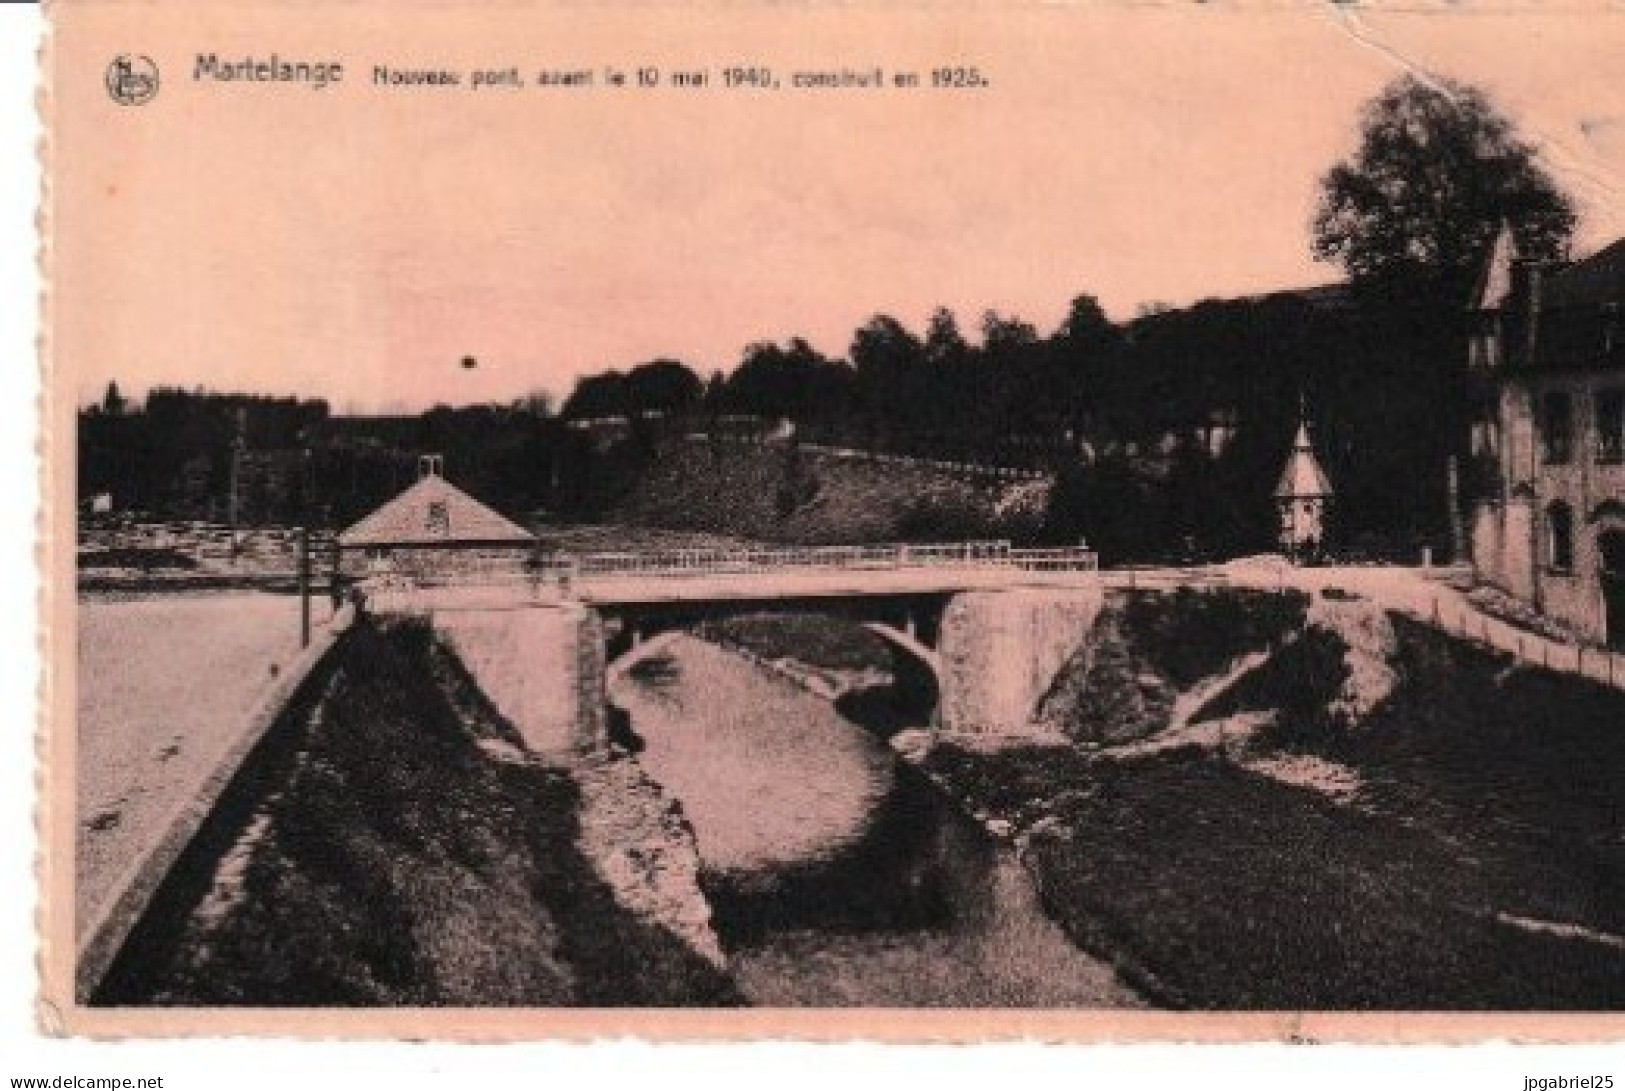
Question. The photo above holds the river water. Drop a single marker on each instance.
(839, 876)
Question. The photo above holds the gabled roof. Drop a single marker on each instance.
(1586, 284)
(1593, 282)
(1303, 478)
(434, 512)
(1495, 284)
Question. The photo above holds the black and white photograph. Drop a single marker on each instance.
(877, 521)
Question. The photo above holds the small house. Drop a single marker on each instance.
(431, 532)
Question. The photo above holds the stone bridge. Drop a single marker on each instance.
(992, 625)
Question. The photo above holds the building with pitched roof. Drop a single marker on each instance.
(433, 530)
(1546, 365)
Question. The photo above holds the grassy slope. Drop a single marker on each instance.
(1149, 646)
(1487, 792)
(620, 538)
(401, 864)
(754, 492)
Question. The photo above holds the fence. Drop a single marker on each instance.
(1597, 664)
(1493, 633)
(959, 468)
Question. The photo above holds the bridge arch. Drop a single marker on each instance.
(909, 644)
(616, 665)
(913, 696)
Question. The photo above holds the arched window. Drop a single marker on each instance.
(1610, 420)
(1559, 537)
(1611, 551)
(1556, 427)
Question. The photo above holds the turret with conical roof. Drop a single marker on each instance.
(1303, 494)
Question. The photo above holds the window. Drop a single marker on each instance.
(439, 519)
(1611, 426)
(1556, 424)
(1559, 537)
(1486, 437)
(1483, 349)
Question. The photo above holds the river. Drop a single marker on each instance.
(839, 876)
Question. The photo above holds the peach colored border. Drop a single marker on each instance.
(58, 1014)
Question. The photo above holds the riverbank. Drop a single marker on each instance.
(405, 850)
(1372, 816)
(837, 876)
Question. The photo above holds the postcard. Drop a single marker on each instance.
(889, 521)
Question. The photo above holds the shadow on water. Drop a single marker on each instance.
(909, 700)
(919, 865)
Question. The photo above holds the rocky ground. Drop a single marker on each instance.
(406, 850)
(1363, 813)
(836, 881)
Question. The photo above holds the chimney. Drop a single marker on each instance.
(431, 466)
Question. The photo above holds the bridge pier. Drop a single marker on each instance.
(1001, 651)
(998, 654)
(543, 669)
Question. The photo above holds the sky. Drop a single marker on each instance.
(355, 243)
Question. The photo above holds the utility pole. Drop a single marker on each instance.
(304, 587)
(234, 499)
(1458, 530)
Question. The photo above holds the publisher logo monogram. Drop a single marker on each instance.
(132, 80)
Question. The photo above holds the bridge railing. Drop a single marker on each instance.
(561, 570)
(710, 562)
(1057, 559)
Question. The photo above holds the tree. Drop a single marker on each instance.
(949, 380)
(1411, 217)
(1085, 320)
(1013, 393)
(1085, 361)
(537, 405)
(601, 395)
(945, 346)
(663, 386)
(113, 402)
(887, 358)
(794, 381)
(1437, 172)
(1001, 334)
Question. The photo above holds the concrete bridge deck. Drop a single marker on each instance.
(634, 590)
(700, 576)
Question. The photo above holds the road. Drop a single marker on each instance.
(166, 683)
